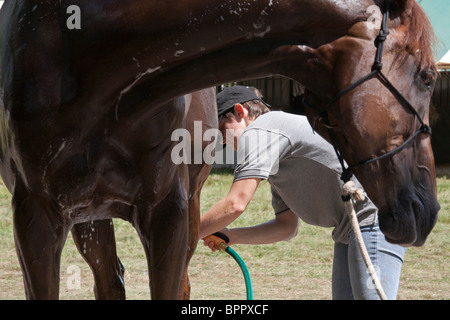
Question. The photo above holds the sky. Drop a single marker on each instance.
(438, 11)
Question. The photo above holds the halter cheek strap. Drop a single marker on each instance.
(347, 172)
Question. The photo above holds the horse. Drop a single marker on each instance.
(95, 240)
(87, 111)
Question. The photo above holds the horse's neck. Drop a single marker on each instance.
(195, 44)
(245, 39)
(214, 23)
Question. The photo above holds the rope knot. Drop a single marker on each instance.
(426, 129)
(377, 66)
(346, 175)
(349, 190)
(382, 36)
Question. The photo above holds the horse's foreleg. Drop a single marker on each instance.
(198, 173)
(96, 243)
(39, 234)
(194, 225)
(164, 232)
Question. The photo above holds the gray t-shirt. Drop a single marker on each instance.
(302, 169)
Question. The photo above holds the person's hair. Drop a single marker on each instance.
(255, 109)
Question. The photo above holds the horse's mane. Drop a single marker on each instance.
(420, 36)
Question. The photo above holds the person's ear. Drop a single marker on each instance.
(239, 110)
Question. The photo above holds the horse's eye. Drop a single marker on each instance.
(428, 78)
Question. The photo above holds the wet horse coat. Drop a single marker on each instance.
(87, 113)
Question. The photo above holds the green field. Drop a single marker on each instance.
(298, 269)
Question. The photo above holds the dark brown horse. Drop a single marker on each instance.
(95, 239)
(87, 113)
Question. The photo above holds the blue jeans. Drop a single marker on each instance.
(350, 277)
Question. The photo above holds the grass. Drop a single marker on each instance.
(298, 269)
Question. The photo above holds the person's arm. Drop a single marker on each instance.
(229, 208)
(283, 228)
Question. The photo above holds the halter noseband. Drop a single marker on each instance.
(347, 173)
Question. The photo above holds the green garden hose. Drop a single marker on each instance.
(219, 243)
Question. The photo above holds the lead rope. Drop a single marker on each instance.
(349, 192)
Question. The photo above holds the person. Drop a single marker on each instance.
(304, 175)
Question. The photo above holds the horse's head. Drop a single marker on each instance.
(372, 119)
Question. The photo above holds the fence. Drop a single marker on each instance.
(440, 118)
(278, 91)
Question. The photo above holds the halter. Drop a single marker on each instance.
(347, 172)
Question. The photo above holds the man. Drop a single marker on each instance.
(303, 172)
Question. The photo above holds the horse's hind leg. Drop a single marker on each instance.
(96, 243)
(39, 234)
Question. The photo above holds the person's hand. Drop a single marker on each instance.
(208, 242)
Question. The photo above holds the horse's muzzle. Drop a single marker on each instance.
(411, 221)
